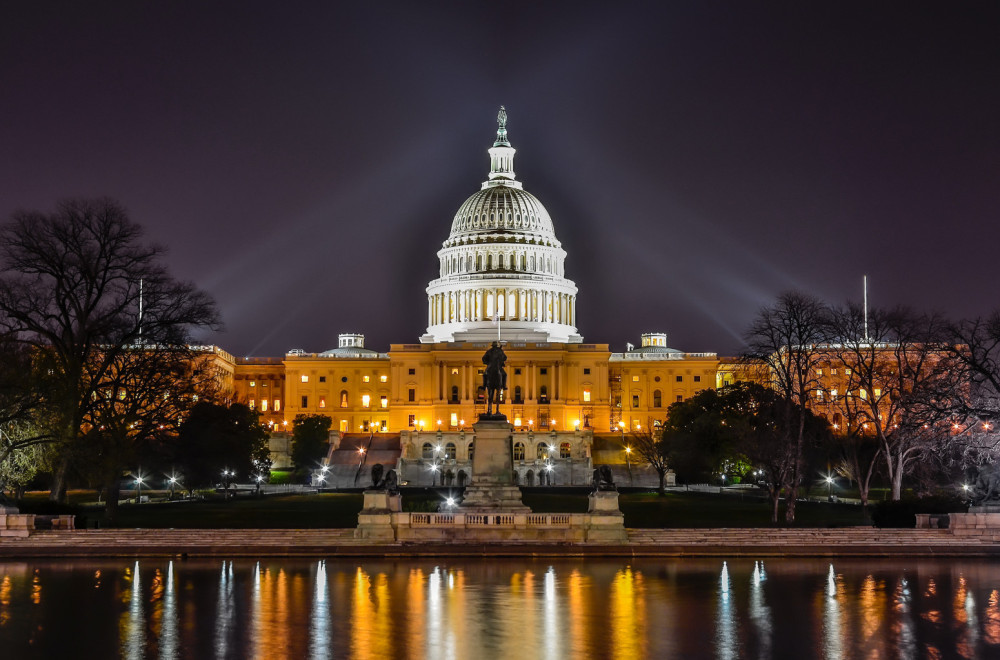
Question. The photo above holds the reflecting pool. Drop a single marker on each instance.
(514, 609)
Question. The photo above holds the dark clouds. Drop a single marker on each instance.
(303, 163)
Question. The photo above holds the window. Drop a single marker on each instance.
(365, 378)
(454, 419)
(343, 398)
(305, 378)
(277, 405)
(253, 404)
(411, 420)
(819, 395)
(262, 384)
(366, 400)
(454, 393)
(472, 449)
(833, 372)
(543, 451)
(517, 394)
(697, 379)
(635, 379)
(411, 395)
(564, 450)
(586, 396)
(454, 371)
(680, 397)
(427, 451)
(656, 379)
(263, 405)
(449, 451)
(847, 371)
(517, 372)
(819, 372)
(543, 394)
(305, 401)
(343, 379)
(253, 383)
(383, 378)
(543, 371)
(863, 393)
(680, 379)
(322, 379)
(322, 402)
(833, 394)
(878, 392)
(412, 371)
(586, 371)
(635, 400)
(657, 399)
(518, 451)
(384, 401)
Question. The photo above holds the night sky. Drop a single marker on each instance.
(302, 162)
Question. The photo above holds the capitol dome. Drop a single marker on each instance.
(502, 265)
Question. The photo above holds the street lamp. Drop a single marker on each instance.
(138, 489)
(829, 488)
(172, 480)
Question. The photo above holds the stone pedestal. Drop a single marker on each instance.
(492, 486)
(14, 523)
(606, 522)
(375, 518)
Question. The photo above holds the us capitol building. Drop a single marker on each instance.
(502, 270)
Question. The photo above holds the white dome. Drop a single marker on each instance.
(502, 260)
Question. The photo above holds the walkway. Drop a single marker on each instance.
(833, 542)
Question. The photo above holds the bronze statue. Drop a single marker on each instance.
(494, 377)
(377, 471)
(986, 489)
(391, 483)
(603, 479)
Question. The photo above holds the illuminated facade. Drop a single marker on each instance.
(502, 270)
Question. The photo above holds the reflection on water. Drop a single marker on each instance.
(499, 609)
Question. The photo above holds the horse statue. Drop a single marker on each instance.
(494, 378)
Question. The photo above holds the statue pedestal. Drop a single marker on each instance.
(492, 485)
(375, 517)
(606, 523)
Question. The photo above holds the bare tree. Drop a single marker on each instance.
(974, 346)
(786, 338)
(899, 388)
(648, 444)
(71, 290)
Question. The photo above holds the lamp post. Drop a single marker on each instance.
(829, 488)
(138, 489)
(172, 480)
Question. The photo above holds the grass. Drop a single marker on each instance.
(340, 510)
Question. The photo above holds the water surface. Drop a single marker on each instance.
(514, 609)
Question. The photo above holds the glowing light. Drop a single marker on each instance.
(628, 450)
(450, 501)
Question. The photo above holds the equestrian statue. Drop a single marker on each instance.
(494, 380)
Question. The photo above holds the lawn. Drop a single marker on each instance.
(340, 510)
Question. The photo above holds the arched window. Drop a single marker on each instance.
(427, 451)
(463, 478)
(517, 394)
(543, 451)
(529, 478)
(454, 393)
(449, 451)
(564, 450)
(479, 262)
(343, 398)
(657, 399)
(518, 451)
(489, 261)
